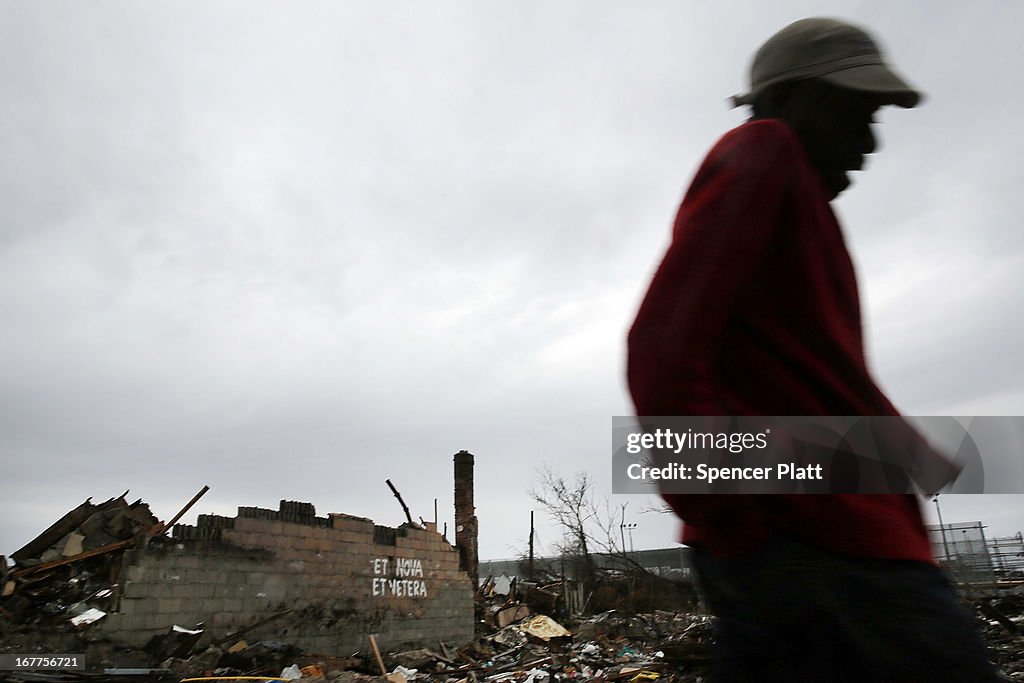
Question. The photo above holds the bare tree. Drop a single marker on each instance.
(570, 505)
(599, 573)
(589, 525)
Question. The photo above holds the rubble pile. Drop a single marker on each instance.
(66, 577)
(663, 646)
(611, 646)
(666, 647)
(1004, 634)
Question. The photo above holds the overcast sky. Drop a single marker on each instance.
(290, 250)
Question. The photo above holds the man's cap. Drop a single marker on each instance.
(831, 50)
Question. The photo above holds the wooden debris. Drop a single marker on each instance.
(160, 528)
(405, 508)
(376, 655)
(120, 545)
(252, 627)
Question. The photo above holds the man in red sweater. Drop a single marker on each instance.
(754, 311)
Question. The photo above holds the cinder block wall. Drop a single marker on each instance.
(344, 577)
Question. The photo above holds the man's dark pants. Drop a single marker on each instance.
(789, 612)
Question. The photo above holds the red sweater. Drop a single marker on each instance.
(754, 311)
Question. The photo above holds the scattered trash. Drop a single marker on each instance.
(88, 617)
(407, 674)
(545, 628)
(291, 673)
(312, 671)
(178, 642)
(537, 676)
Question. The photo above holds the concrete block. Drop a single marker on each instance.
(265, 541)
(359, 538)
(169, 574)
(224, 622)
(170, 606)
(200, 591)
(237, 577)
(246, 524)
(188, 575)
(209, 575)
(353, 524)
(162, 590)
(185, 562)
(353, 561)
(275, 543)
(288, 555)
(261, 540)
(138, 605)
(136, 573)
(296, 567)
(154, 622)
(234, 605)
(223, 590)
(208, 607)
(240, 538)
(328, 562)
(296, 530)
(117, 623)
(255, 578)
(279, 542)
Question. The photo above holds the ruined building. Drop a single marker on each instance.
(342, 578)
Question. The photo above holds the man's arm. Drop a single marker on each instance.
(720, 236)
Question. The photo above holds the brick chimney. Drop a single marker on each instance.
(465, 516)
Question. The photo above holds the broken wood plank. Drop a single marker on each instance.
(161, 527)
(376, 653)
(402, 502)
(439, 657)
(102, 550)
(511, 614)
(245, 630)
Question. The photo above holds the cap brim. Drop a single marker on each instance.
(879, 80)
(740, 100)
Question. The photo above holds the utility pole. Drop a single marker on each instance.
(622, 527)
(942, 528)
(630, 527)
(530, 567)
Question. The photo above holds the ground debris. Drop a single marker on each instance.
(55, 582)
(1006, 649)
(664, 646)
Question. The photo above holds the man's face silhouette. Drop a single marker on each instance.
(835, 126)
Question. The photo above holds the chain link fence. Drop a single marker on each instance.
(962, 549)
